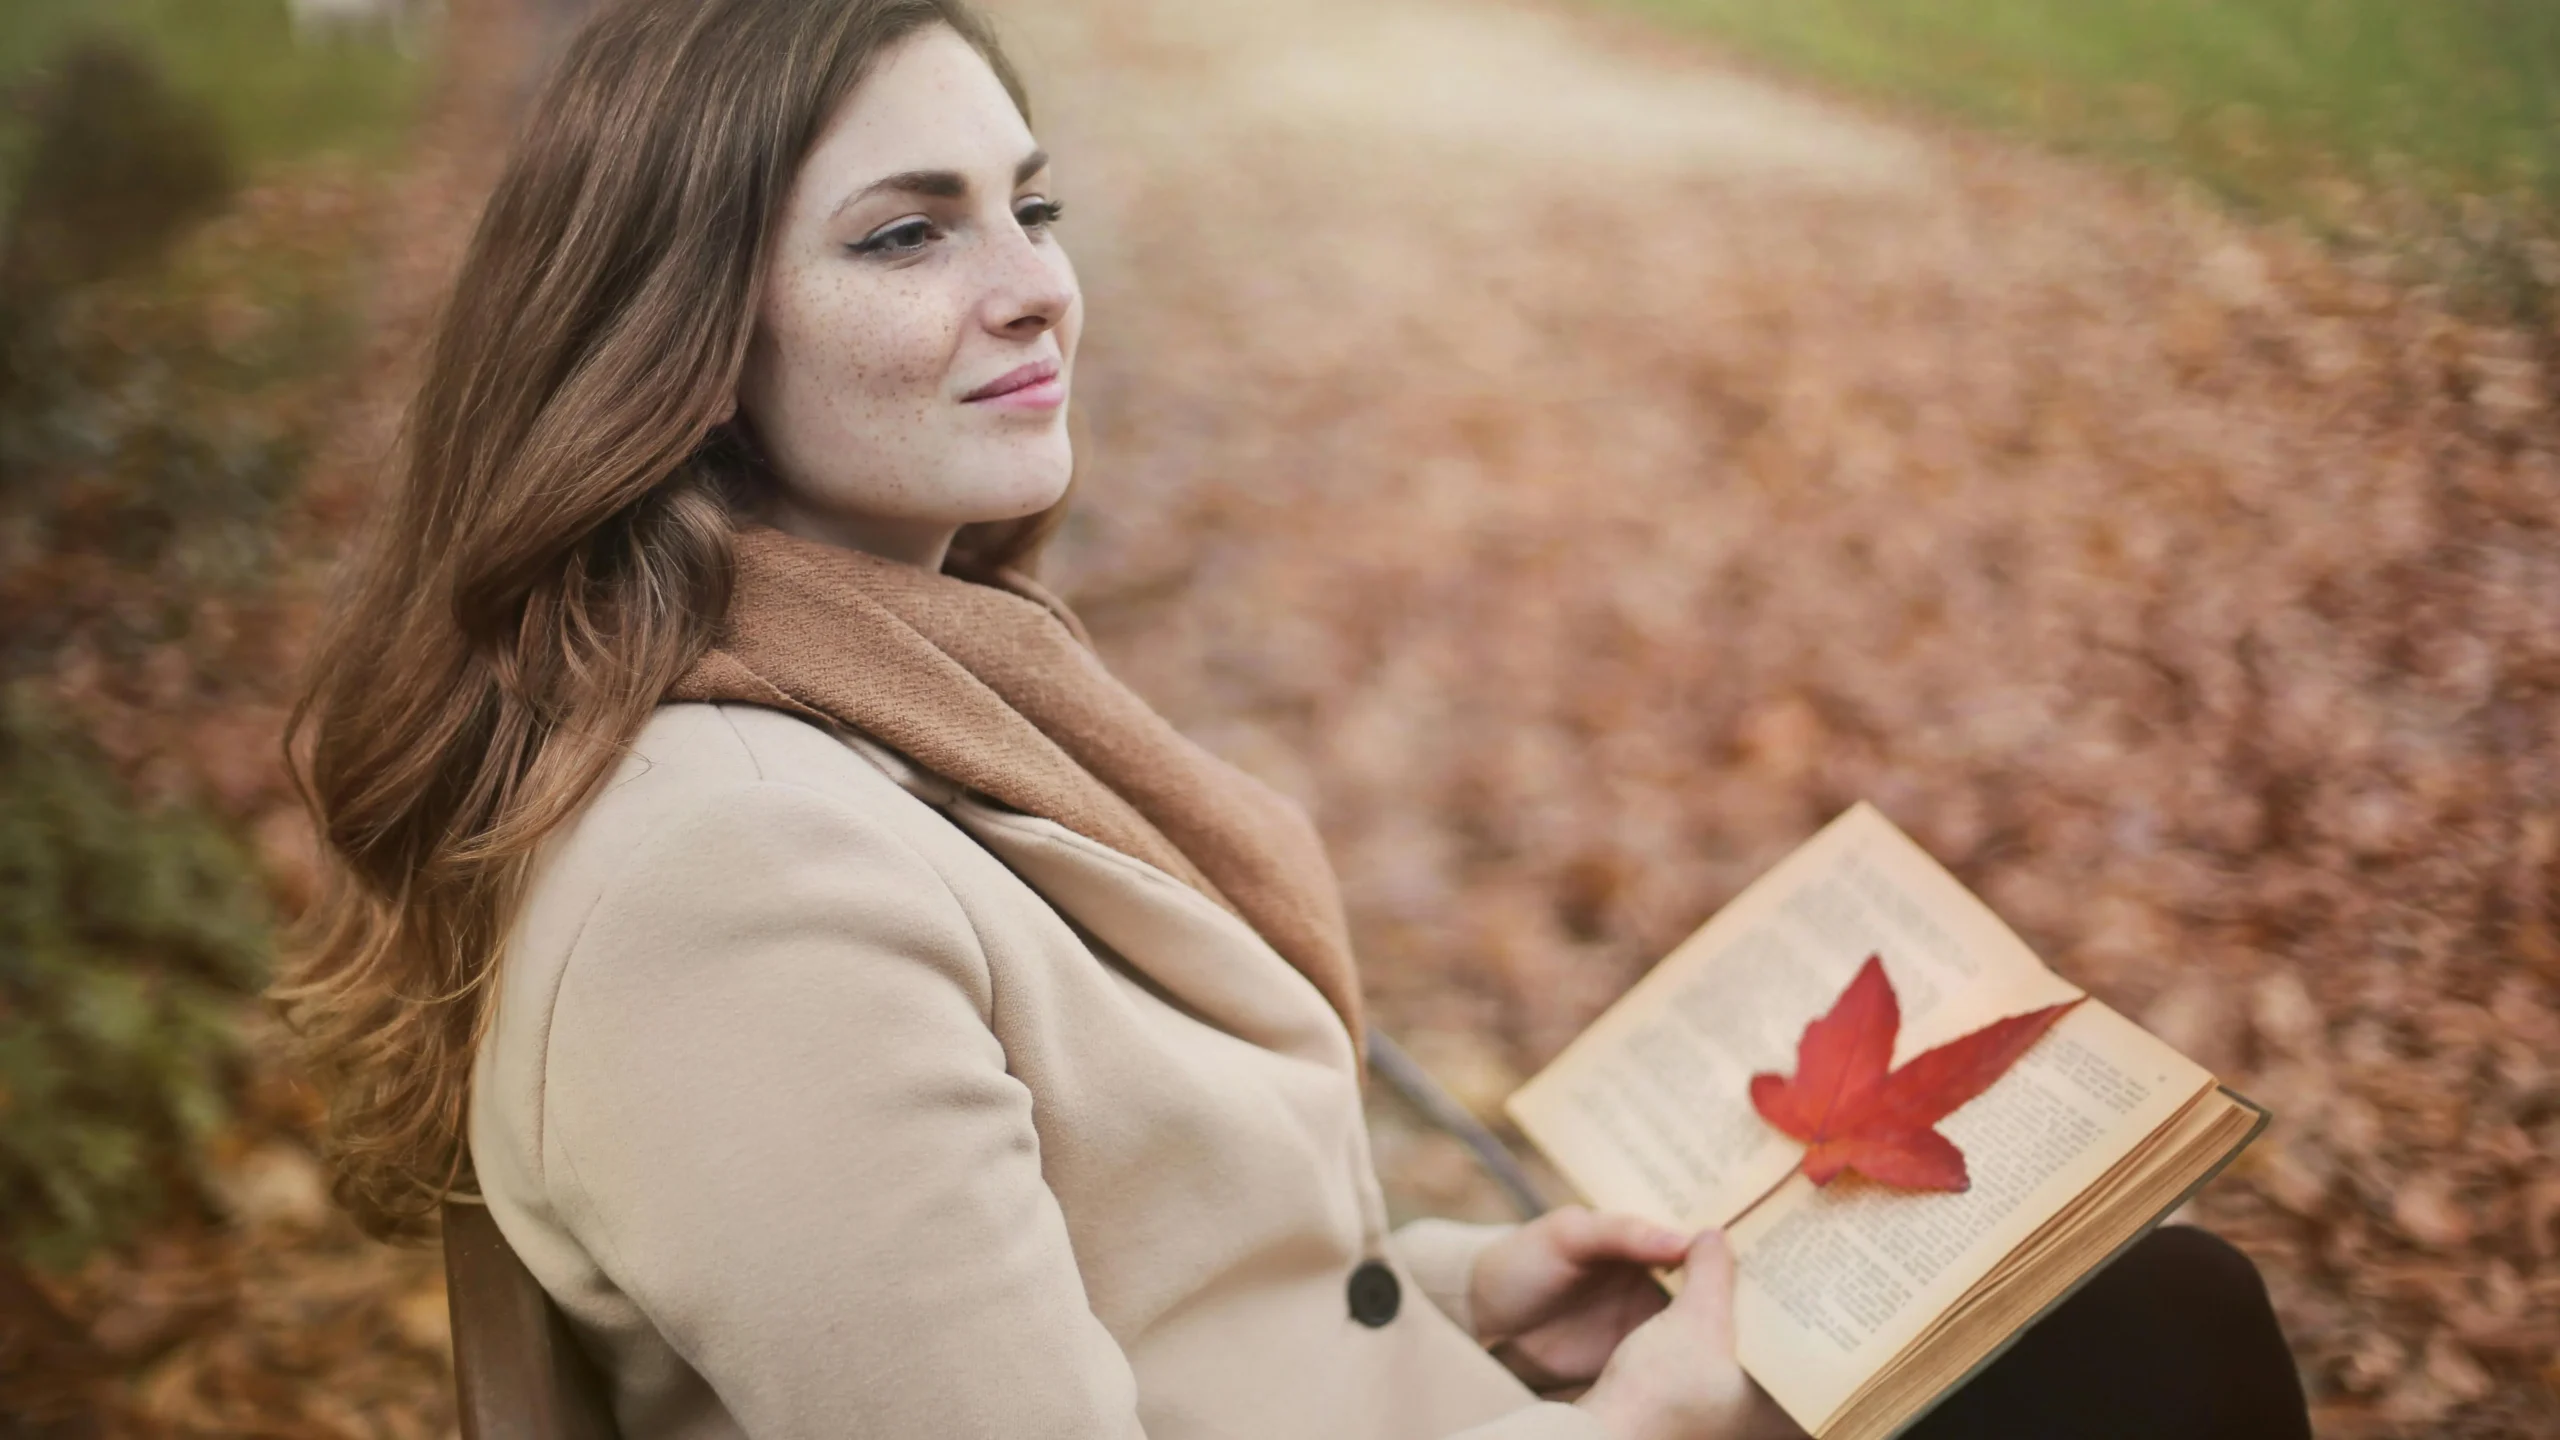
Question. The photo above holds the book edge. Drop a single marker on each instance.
(1995, 1352)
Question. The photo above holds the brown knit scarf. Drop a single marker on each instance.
(998, 690)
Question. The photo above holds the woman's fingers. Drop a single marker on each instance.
(1584, 1235)
(1708, 1289)
(1675, 1377)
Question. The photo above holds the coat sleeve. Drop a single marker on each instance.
(1442, 1256)
(776, 1117)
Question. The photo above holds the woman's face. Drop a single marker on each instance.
(912, 290)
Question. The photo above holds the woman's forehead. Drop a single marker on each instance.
(930, 103)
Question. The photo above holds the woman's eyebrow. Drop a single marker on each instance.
(943, 184)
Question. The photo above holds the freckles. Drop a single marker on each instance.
(874, 354)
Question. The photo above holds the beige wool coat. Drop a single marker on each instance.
(827, 1100)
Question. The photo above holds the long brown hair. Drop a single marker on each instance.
(556, 551)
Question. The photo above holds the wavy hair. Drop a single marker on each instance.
(555, 549)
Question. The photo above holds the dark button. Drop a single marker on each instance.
(1374, 1294)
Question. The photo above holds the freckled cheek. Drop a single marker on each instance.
(872, 346)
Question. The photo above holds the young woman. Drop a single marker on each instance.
(861, 1013)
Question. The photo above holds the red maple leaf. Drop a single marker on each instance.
(1852, 1115)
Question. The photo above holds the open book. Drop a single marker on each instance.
(1857, 1306)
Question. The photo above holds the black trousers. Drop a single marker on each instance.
(2174, 1341)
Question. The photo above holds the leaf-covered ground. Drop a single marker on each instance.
(1578, 472)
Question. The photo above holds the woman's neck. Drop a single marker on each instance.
(920, 543)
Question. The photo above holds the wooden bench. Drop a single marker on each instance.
(517, 1371)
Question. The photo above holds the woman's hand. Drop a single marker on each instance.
(1675, 1376)
(1553, 1298)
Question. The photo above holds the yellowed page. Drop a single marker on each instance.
(1649, 1110)
(2102, 1219)
(1836, 1281)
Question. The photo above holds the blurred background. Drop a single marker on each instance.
(1577, 446)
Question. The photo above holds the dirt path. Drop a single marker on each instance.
(1578, 470)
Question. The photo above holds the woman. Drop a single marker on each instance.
(858, 1010)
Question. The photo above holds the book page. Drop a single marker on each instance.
(1835, 1281)
(1649, 1110)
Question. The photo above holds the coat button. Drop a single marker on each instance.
(1375, 1294)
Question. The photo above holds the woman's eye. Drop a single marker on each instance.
(1039, 214)
(904, 238)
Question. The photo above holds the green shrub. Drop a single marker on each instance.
(129, 940)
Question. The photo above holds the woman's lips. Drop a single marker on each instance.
(1036, 386)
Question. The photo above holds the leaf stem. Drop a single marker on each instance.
(1746, 1210)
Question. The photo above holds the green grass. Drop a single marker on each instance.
(2320, 109)
(275, 96)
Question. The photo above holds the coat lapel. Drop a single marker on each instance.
(1199, 952)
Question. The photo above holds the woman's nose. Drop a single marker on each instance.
(1033, 287)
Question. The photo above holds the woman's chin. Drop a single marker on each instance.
(1027, 490)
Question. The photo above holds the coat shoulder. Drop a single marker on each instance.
(696, 778)
(691, 757)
